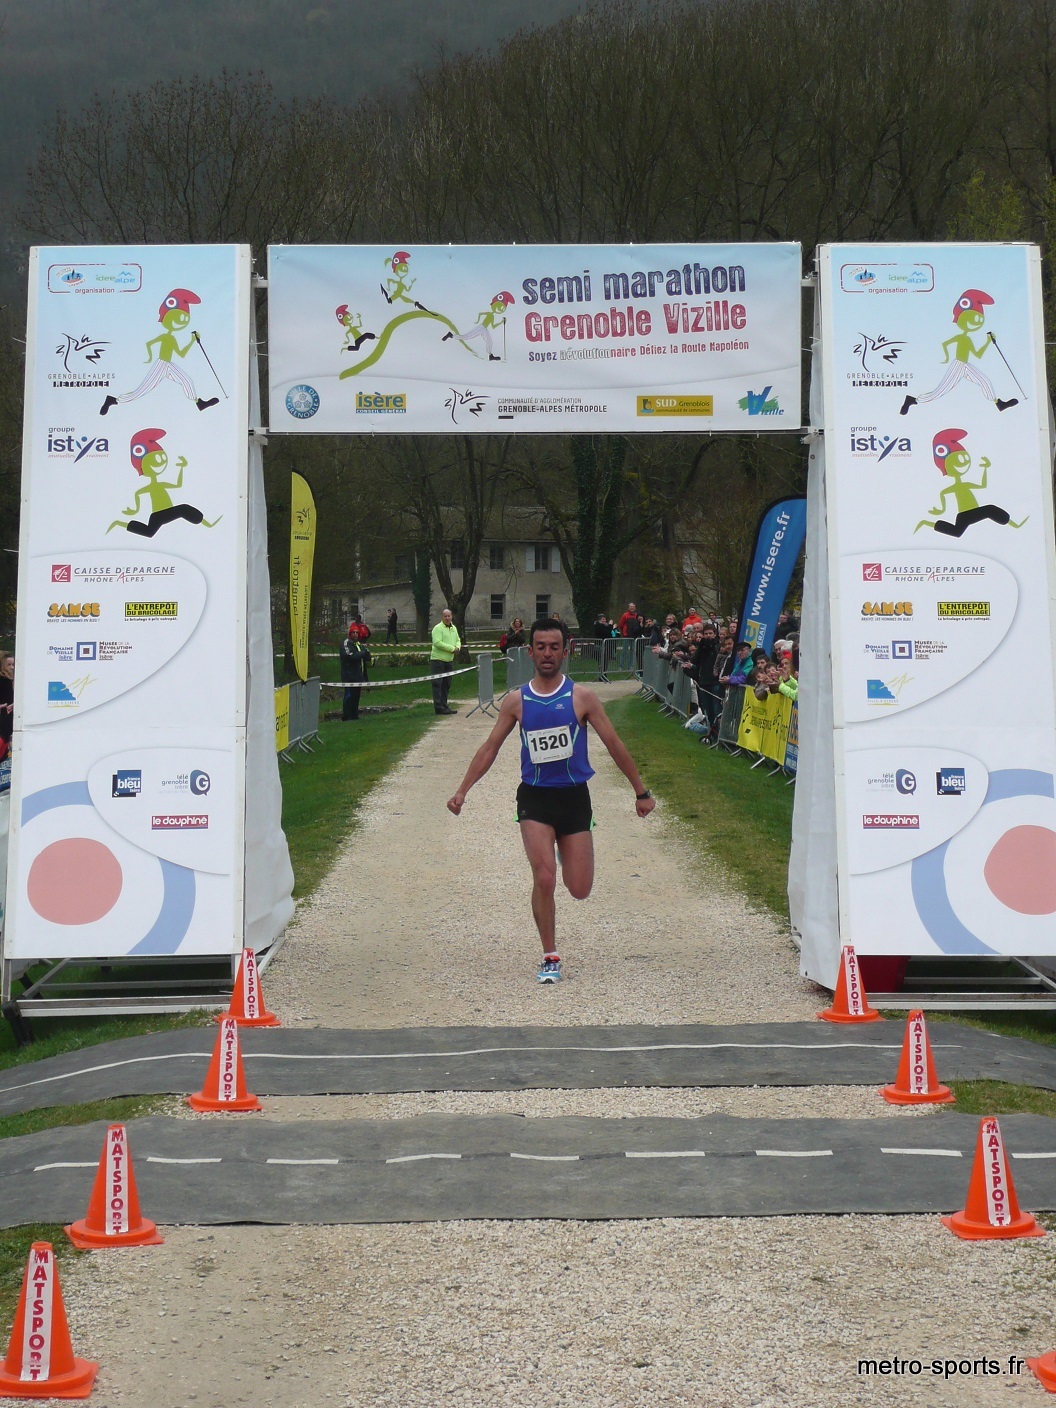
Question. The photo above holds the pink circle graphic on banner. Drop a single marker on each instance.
(74, 881)
(1021, 870)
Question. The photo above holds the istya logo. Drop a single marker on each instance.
(761, 403)
(65, 444)
(867, 443)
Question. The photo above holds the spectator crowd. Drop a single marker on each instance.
(716, 660)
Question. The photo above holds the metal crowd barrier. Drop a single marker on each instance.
(730, 718)
(603, 660)
(668, 682)
(304, 715)
(485, 686)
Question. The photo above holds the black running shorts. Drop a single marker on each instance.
(566, 809)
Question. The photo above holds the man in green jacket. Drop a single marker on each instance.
(445, 644)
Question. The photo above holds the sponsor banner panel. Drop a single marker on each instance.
(133, 535)
(129, 847)
(367, 339)
(764, 725)
(940, 526)
(132, 582)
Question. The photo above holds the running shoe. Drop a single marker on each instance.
(549, 971)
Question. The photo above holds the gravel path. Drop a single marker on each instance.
(424, 921)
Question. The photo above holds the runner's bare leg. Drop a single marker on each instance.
(577, 863)
(539, 840)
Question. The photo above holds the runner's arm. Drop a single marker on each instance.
(590, 711)
(488, 751)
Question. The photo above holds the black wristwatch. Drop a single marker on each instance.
(643, 796)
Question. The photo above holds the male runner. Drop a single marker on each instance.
(553, 803)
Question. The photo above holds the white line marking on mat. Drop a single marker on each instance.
(159, 1159)
(549, 1158)
(41, 1168)
(1034, 1156)
(674, 1154)
(793, 1153)
(302, 1161)
(413, 1158)
(935, 1153)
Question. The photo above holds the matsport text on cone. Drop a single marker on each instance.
(991, 1210)
(916, 1082)
(113, 1218)
(225, 1080)
(849, 1001)
(247, 1004)
(40, 1361)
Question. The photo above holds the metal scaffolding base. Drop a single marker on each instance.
(109, 989)
(972, 985)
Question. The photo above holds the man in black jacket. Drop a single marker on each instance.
(703, 673)
(355, 657)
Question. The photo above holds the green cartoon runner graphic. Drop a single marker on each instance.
(353, 326)
(969, 316)
(950, 456)
(396, 289)
(174, 315)
(490, 320)
(150, 460)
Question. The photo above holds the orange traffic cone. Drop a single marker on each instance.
(247, 996)
(225, 1080)
(849, 1003)
(992, 1209)
(916, 1082)
(1044, 1370)
(113, 1218)
(40, 1362)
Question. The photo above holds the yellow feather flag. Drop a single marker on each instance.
(302, 556)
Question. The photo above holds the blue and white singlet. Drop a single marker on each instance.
(553, 741)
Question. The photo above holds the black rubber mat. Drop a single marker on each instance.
(241, 1168)
(317, 1061)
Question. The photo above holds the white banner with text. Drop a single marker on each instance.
(942, 589)
(127, 811)
(365, 339)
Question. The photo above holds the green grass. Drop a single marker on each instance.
(54, 1037)
(739, 817)
(115, 1111)
(997, 1097)
(461, 687)
(322, 792)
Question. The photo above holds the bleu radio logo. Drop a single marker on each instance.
(127, 782)
(950, 782)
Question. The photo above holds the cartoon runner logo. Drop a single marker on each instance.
(174, 315)
(488, 321)
(954, 462)
(969, 316)
(149, 460)
(353, 326)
